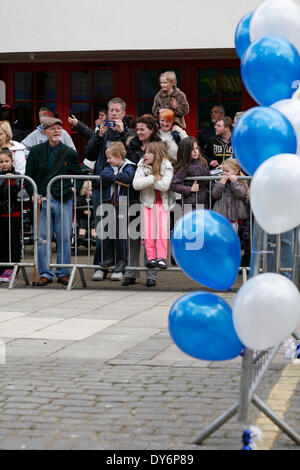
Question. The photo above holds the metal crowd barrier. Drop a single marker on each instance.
(23, 199)
(256, 363)
(211, 179)
(76, 265)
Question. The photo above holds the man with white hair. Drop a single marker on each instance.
(45, 161)
(217, 112)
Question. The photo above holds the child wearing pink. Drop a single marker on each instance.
(153, 178)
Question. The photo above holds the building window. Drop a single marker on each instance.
(90, 90)
(32, 91)
(217, 86)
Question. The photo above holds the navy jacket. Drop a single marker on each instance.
(124, 175)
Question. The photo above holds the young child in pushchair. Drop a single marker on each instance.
(85, 216)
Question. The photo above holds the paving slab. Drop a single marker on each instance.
(96, 368)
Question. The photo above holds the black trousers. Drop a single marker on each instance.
(10, 243)
(116, 247)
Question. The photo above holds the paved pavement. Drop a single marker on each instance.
(95, 368)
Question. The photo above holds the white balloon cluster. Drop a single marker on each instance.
(275, 193)
(275, 187)
(267, 308)
(291, 109)
(279, 17)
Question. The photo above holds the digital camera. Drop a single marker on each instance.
(110, 123)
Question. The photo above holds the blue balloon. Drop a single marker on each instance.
(242, 36)
(259, 134)
(207, 248)
(269, 67)
(201, 325)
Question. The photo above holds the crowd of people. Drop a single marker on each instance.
(149, 163)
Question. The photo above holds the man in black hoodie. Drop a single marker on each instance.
(219, 148)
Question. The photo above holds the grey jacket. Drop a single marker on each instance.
(230, 200)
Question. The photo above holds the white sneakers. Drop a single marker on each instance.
(116, 276)
(98, 275)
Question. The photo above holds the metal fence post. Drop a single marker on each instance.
(256, 363)
(22, 265)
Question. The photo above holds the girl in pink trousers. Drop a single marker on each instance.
(153, 178)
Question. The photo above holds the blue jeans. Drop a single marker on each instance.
(63, 229)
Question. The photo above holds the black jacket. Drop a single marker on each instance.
(96, 146)
(134, 150)
(205, 136)
(84, 130)
(217, 149)
(37, 169)
(9, 189)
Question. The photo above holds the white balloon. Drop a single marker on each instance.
(279, 17)
(266, 310)
(291, 110)
(275, 193)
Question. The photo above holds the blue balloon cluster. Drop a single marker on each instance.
(261, 133)
(207, 248)
(242, 36)
(201, 325)
(270, 67)
(204, 243)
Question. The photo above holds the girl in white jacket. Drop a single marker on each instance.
(153, 178)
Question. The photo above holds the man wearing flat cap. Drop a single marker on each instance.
(45, 161)
(38, 135)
